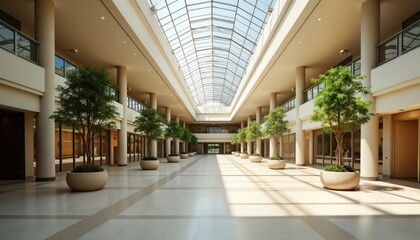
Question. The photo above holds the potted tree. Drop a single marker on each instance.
(173, 131)
(184, 137)
(193, 142)
(149, 125)
(340, 108)
(86, 103)
(253, 131)
(275, 126)
(234, 141)
(242, 139)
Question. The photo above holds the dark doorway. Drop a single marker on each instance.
(11, 145)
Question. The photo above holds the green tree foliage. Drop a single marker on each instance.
(86, 102)
(149, 124)
(253, 131)
(275, 125)
(241, 135)
(173, 130)
(186, 135)
(339, 106)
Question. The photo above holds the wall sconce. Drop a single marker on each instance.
(74, 51)
(344, 51)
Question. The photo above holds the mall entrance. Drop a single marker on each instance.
(213, 148)
(12, 152)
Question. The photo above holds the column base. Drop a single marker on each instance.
(300, 164)
(369, 178)
(122, 165)
(45, 179)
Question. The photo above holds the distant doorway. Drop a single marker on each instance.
(406, 150)
(214, 148)
(11, 145)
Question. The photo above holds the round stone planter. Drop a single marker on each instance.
(86, 181)
(237, 154)
(173, 159)
(233, 153)
(149, 164)
(255, 159)
(276, 164)
(191, 154)
(184, 155)
(244, 155)
(340, 180)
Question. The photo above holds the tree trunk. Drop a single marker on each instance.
(339, 150)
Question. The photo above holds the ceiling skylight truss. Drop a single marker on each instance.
(212, 41)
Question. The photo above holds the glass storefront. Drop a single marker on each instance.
(69, 151)
(325, 145)
(289, 147)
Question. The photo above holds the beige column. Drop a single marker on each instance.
(273, 143)
(242, 144)
(369, 142)
(29, 145)
(248, 143)
(184, 143)
(258, 140)
(153, 105)
(122, 134)
(168, 140)
(387, 152)
(45, 35)
(177, 140)
(300, 135)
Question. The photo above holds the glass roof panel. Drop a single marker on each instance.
(213, 41)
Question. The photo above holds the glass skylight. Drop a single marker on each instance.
(212, 41)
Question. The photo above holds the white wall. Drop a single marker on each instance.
(214, 137)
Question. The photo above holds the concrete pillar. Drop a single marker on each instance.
(258, 140)
(273, 143)
(29, 145)
(122, 134)
(184, 143)
(153, 105)
(387, 152)
(168, 140)
(45, 35)
(177, 140)
(248, 143)
(369, 142)
(242, 144)
(111, 148)
(300, 135)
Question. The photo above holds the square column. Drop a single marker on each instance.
(122, 134)
(300, 135)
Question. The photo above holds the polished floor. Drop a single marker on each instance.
(215, 197)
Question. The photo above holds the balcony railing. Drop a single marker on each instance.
(289, 105)
(311, 92)
(404, 41)
(18, 43)
(135, 105)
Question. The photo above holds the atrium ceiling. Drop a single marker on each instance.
(212, 42)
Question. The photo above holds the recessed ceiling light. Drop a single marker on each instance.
(299, 42)
(103, 18)
(124, 42)
(135, 54)
(148, 70)
(319, 19)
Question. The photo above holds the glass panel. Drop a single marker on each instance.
(59, 65)
(26, 48)
(70, 68)
(388, 50)
(7, 38)
(411, 37)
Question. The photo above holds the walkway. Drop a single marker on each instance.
(215, 197)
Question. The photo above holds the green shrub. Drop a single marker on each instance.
(150, 158)
(336, 168)
(276, 158)
(256, 154)
(85, 168)
(173, 155)
(244, 152)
